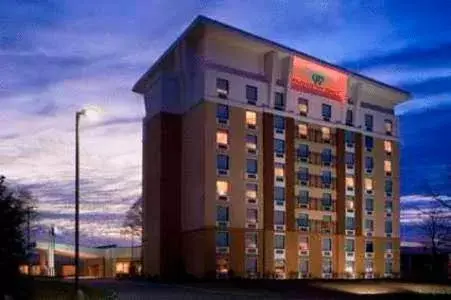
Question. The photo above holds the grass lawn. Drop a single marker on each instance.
(45, 289)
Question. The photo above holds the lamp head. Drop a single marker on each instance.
(91, 112)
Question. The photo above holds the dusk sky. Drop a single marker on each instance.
(56, 56)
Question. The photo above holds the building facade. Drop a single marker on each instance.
(259, 160)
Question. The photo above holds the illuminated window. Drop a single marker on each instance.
(388, 127)
(222, 187)
(122, 267)
(369, 265)
(303, 106)
(251, 239)
(350, 266)
(252, 215)
(251, 190)
(387, 147)
(302, 130)
(222, 87)
(251, 119)
(222, 137)
(350, 183)
(303, 242)
(349, 203)
(368, 184)
(387, 166)
(325, 131)
(326, 265)
(279, 170)
(251, 142)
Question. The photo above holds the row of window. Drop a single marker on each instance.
(222, 88)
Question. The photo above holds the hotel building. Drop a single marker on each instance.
(262, 161)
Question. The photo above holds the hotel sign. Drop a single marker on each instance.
(312, 78)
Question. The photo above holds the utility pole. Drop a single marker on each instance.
(28, 241)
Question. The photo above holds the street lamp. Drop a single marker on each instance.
(91, 113)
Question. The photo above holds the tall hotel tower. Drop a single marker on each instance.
(259, 160)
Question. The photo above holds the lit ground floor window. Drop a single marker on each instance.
(122, 267)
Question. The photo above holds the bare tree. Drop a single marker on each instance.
(133, 217)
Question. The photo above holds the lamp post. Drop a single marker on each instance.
(90, 113)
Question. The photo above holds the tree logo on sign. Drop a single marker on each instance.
(317, 79)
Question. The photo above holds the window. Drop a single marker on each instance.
(279, 171)
(388, 266)
(303, 242)
(326, 265)
(326, 156)
(350, 223)
(303, 106)
(251, 190)
(388, 206)
(304, 266)
(251, 166)
(303, 220)
(369, 143)
(303, 151)
(303, 174)
(251, 119)
(387, 147)
(369, 247)
(350, 245)
(369, 122)
(222, 162)
(279, 193)
(222, 213)
(327, 200)
(326, 110)
(368, 184)
(349, 117)
(279, 122)
(388, 226)
(388, 127)
(387, 167)
(325, 134)
(222, 112)
(222, 87)
(303, 197)
(279, 101)
(251, 264)
(327, 218)
(369, 225)
(222, 239)
(349, 138)
(279, 241)
(326, 177)
(369, 204)
(350, 183)
(251, 142)
(369, 164)
(302, 130)
(350, 203)
(123, 267)
(388, 246)
(251, 239)
(349, 159)
(279, 217)
(251, 94)
(369, 265)
(350, 266)
(221, 137)
(388, 186)
(326, 244)
(279, 146)
(222, 187)
(252, 215)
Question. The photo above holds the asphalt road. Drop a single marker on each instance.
(124, 289)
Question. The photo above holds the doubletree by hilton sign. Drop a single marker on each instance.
(315, 79)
